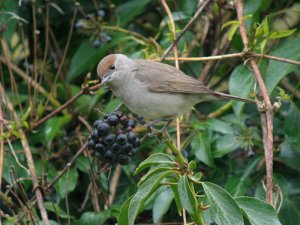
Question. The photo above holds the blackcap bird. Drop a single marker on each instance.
(154, 90)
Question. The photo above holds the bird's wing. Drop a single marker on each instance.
(159, 77)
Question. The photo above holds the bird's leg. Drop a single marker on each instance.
(152, 130)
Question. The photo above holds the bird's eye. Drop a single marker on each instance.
(112, 67)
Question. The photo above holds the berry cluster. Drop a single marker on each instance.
(90, 26)
(112, 139)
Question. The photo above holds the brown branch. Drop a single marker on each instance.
(277, 58)
(267, 116)
(187, 26)
(67, 104)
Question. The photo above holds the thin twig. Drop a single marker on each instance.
(61, 173)
(267, 116)
(65, 51)
(192, 20)
(114, 184)
(277, 58)
(29, 80)
(35, 34)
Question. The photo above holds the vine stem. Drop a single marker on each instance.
(267, 115)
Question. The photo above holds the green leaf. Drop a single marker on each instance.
(54, 126)
(281, 34)
(155, 159)
(232, 31)
(84, 59)
(82, 163)
(238, 184)
(289, 156)
(69, 179)
(123, 216)
(126, 12)
(152, 172)
(257, 211)
(223, 207)
(265, 25)
(187, 196)
(291, 125)
(240, 84)
(177, 198)
(162, 204)
(229, 23)
(262, 46)
(219, 126)
(201, 145)
(142, 194)
(53, 207)
(276, 70)
(225, 144)
(97, 218)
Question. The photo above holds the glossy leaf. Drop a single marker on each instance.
(55, 208)
(142, 194)
(281, 34)
(155, 159)
(240, 84)
(238, 184)
(162, 204)
(290, 49)
(225, 144)
(129, 10)
(67, 182)
(54, 126)
(257, 211)
(187, 196)
(224, 208)
(201, 145)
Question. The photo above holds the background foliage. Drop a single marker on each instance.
(227, 147)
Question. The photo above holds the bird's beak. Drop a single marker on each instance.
(105, 78)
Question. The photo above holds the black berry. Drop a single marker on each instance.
(103, 128)
(115, 147)
(109, 156)
(96, 123)
(91, 145)
(100, 148)
(101, 13)
(248, 122)
(127, 148)
(117, 113)
(95, 135)
(97, 43)
(79, 25)
(109, 139)
(121, 139)
(112, 120)
(131, 123)
(136, 142)
(131, 137)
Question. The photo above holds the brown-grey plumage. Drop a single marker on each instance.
(153, 89)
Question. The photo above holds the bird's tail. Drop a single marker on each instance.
(232, 97)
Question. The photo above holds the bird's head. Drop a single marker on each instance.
(110, 68)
